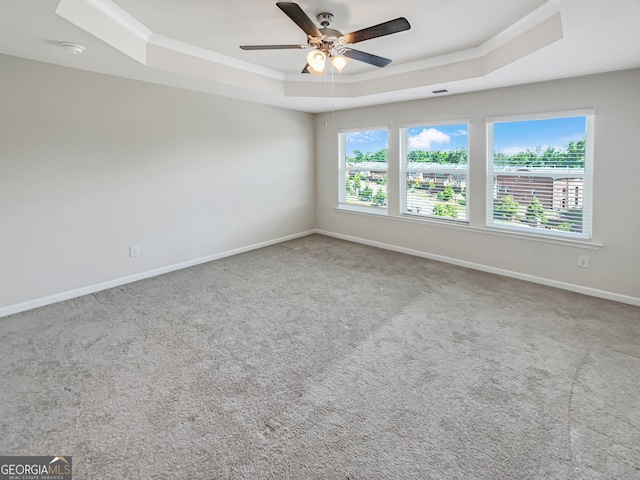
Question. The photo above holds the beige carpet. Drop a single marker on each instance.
(323, 359)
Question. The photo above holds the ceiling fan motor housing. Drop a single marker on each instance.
(324, 19)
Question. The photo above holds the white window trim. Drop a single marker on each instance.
(574, 242)
(403, 130)
(587, 202)
(582, 112)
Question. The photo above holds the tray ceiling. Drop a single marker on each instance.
(460, 45)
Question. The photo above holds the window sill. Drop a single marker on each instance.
(557, 240)
(378, 211)
(464, 226)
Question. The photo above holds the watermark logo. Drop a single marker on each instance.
(36, 468)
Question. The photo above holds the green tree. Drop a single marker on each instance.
(380, 156)
(446, 194)
(445, 210)
(535, 212)
(571, 156)
(437, 156)
(417, 156)
(357, 182)
(565, 226)
(457, 156)
(463, 197)
(380, 198)
(551, 157)
(506, 208)
(358, 157)
(366, 194)
(349, 186)
(575, 154)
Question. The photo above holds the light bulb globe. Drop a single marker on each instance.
(316, 59)
(339, 62)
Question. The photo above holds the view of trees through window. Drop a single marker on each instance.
(435, 170)
(538, 171)
(571, 155)
(538, 176)
(365, 168)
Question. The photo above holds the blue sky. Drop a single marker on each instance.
(370, 141)
(509, 137)
(447, 137)
(514, 137)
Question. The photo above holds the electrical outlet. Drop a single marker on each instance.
(134, 250)
(331, 218)
(583, 261)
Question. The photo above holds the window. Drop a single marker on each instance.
(539, 174)
(363, 168)
(434, 170)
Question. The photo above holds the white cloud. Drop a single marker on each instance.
(366, 137)
(426, 138)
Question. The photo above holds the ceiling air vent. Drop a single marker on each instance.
(436, 92)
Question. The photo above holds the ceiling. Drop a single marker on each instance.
(457, 45)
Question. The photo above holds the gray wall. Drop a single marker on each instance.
(91, 164)
(614, 270)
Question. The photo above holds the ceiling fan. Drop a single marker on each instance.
(329, 43)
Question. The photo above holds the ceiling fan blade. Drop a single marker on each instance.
(366, 57)
(295, 13)
(272, 47)
(387, 28)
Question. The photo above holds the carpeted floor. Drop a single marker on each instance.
(323, 359)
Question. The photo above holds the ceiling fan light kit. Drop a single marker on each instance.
(316, 59)
(329, 43)
(339, 62)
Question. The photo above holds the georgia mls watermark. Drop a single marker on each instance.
(35, 468)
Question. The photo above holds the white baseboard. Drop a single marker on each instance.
(78, 292)
(594, 292)
(59, 297)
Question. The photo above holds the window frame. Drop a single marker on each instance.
(587, 175)
(342, 171)
(403, 130)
